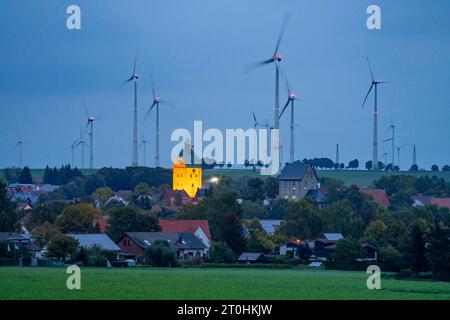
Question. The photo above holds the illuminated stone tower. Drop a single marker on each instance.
(186, 178)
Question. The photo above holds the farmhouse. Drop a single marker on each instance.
(296, 180)
(185, 244)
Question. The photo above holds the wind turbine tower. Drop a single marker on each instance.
(414, 161)
(134, 77)
(156, 102)
(90, 125)
(374, 85)
(337, 154)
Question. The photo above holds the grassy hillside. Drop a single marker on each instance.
(186, 284)
(362, 178)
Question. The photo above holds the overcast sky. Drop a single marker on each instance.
(196, 50)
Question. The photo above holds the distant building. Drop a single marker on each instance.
(378, 195)
(252, 257)
(200, 228)
(100, 240)
(296, 180)
(185, 244)
(186, 178)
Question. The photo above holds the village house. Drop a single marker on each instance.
(200, 228)
(185, 244)
(296, 180)
(377, 195)
(87, 241)
(19, 242)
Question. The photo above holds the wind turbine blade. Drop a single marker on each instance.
(252, 66)
(167, 103)
(86, 109)
(254, 117)
(285, 106)
(282, 31)
(149, 110)
(370, 68)
(135, 62)
(367, 95)
(153, 87)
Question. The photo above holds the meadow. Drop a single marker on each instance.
(200, 283)
(361, 178)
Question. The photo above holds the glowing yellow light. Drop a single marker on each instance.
(214, 180)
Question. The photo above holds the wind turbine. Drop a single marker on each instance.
(374, 84)
(83, 144)
(392, 139)
(256, 124)
(290, 101)
(90, 125)
(156, 102)
(276, 59)
(72, 148)
(19, 145)
(398, 155)
(143, 144)
(134, 77)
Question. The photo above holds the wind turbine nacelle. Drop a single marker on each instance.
(291, 96)
(157, 99)
(277, 57)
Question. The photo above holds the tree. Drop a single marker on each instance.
(446, 168)
(102, 195)
(44, 214)
(302, 220)
(341, 217)
(270, 187)
(259, 242)
(414, 168)
(160, 254)
(220, 252)
(25, 176)
(434, 167)
(348, 249)
(8, 217)
(230, 232)
(11, 175)
(126, 219)
(44, 233)
(413, 250)
(375, 233)
(62, 247)
(78, 218)
(439, 252)
(354, 164)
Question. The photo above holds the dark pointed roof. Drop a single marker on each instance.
(294, 171)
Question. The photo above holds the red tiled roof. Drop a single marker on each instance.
(173, 225)
(378, 195)
(169, 193)
(123, 193)
(441, 202)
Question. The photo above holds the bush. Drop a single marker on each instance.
(220, 252)
(160, 254)
(6, 261)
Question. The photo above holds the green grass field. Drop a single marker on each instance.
(362, 178)
(186, 284)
